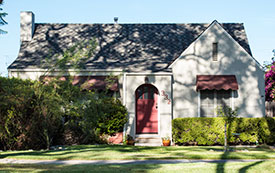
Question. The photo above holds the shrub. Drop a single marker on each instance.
(210, 131)
(30, 114)
(102, 115)
(36, 115)
(114, 116)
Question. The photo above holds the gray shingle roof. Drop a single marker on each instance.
(132, 47)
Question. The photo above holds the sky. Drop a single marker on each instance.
(258, 17)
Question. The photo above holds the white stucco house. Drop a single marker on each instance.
(164, 71)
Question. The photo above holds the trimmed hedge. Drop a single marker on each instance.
(210, 131)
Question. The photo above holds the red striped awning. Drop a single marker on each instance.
(97, 82)
(92, 82)
(216, 82)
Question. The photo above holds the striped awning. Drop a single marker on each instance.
(216, 82)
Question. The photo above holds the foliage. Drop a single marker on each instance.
(52, 111)
(270, 80)
(75, 57)
(114, 116)
(30, 115)
(2, 21)
(165, 138)
(35, 115)
(198, 131)
(228, 114)
(209, 131)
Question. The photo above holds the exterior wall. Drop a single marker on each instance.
(128, 83)
(163, 83)
(35, 74)
(232, 60)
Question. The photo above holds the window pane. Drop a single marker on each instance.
(139, 92)
(152, 93)
(223, 97)
(207, 103)
(215, 51)
(146, 92)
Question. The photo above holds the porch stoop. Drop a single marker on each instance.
(148, 141)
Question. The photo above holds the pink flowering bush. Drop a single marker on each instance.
(270, 83)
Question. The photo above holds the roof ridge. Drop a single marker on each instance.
(135, 23)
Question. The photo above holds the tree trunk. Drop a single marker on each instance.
(47, 138)
(225, 137)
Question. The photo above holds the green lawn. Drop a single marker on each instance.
(115, 152)
(260, 166)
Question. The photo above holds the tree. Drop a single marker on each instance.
(270, 80)
(228, 114)
(2, 21)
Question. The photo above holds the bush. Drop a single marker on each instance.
(210, 131)
(102, 115)
(36, 115)
(29, 114)
(114, 117)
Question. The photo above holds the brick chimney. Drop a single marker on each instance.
(26, 25)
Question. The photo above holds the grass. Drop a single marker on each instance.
(261, 166)
(118, 152)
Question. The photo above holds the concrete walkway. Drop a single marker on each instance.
(102, 162)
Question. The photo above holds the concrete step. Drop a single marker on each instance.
(148, 141)
(148, 144)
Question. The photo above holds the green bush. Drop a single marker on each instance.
(210, 131)
(37, 115)
(114, 116)
(102, 115)
(29, 114)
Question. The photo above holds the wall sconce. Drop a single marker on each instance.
(146, 79)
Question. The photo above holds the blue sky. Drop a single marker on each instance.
(258, 18)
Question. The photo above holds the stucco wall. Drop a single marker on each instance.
(232, 59)
(35, 74)
(163, 83)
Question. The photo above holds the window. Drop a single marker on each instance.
(146, 92)
(207, 103)
(215, 51)
(211, 99)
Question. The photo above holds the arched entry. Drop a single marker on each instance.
(146, 109)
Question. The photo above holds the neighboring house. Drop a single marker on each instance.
(165, 71)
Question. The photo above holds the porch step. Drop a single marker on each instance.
(148, 141)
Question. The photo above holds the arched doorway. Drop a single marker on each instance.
(146, 109)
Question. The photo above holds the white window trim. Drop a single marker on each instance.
(232, 99)
(215, 101)
(199, 103)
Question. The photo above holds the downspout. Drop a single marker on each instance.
(124, 102)
(124, 89)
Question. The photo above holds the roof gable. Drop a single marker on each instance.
(235, 32)
(131, 47)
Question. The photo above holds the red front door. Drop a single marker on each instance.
(146, 110)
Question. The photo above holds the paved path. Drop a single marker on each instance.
(100, 162)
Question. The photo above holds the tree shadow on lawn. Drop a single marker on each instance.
(245, 169)
(91, 150)
(81, 168)
(226, 155)
(96, 152)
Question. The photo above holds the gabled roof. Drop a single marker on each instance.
(131, 47)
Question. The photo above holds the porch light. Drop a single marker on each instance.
(146, 79)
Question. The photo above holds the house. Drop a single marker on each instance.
(165, 71)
